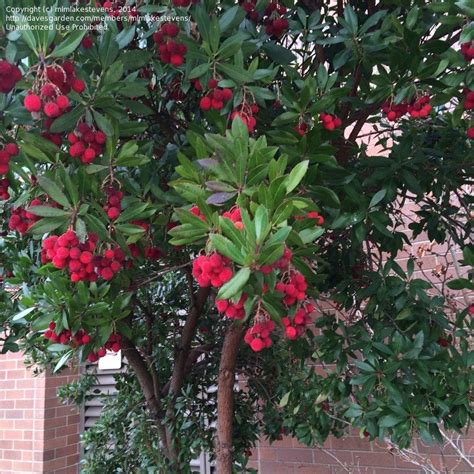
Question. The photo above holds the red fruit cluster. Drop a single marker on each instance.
(64, 78)
(417, 108)
(197, 212)
(235, 216)
(232, 310)
(170, 51)
(114, 203)
(281, 264)
(294, 327)
(110, 263)
(468, 99)
(246, 114)
(21, 220)
(9, 76)
(87, 42)
(301, 129)
(50, 99)
(150, 252)
(294, 288)
(9, 150)
(114, 343)
(81, 338)
(470, 133)
(319, 219)
(394, 111)
(443, 342)
(4, 184)
(212, 270)
(467, 50)
(183, 3)
(330, 122)
(249, 7)
(86, 143)
(65, 251)
(420, 108)
(258, 336)
(216, 97)
(275, 24)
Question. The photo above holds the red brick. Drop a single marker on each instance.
(295, 455)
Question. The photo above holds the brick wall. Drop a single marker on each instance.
(37, 433)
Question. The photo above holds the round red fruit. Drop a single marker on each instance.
(32, 103)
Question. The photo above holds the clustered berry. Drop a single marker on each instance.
(235, 216)
(467, 50)
(216, 97)
(110, 263)
(232, 310)
(295, 326)
(281, 264)
(417, 108)
(65, 251)
(114, 343)
(420, 108)
(258, 336)
(468, 99)
(9, 150)
(250, 8)
(212, 270)
(4, 184)
(318, 218)
(293, 287)
(301, 129)
(197, 212)
(87, 143)
(80, 338)
(114, 202)
(246, 114)
(21, 220)
(330, 122)
(275, 24)
(183, 3)
(9, 76)
(169, 50)
(87, 42)
(51, 97)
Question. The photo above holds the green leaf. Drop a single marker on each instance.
(53, 191)
(67, 121)
(296, 175)
(460, 284)
(284, 400)
(64, 359)
(225, 247)
(47, 224)
(69, 44)
(23, 313)
(377, 197)
(261, 223)
(103, 123)
(389, 421)
(47, 211)
(278, 53)
(326, 196)
(233, 286)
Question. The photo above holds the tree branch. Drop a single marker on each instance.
(225, 398)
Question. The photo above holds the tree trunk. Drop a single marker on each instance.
(225, 398)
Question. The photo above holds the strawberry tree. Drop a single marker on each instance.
(190, 183)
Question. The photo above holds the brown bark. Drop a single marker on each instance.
(225, 398)
(181, 356)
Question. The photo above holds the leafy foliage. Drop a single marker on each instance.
(271, 176)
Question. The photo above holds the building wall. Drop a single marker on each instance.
(37, 433)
